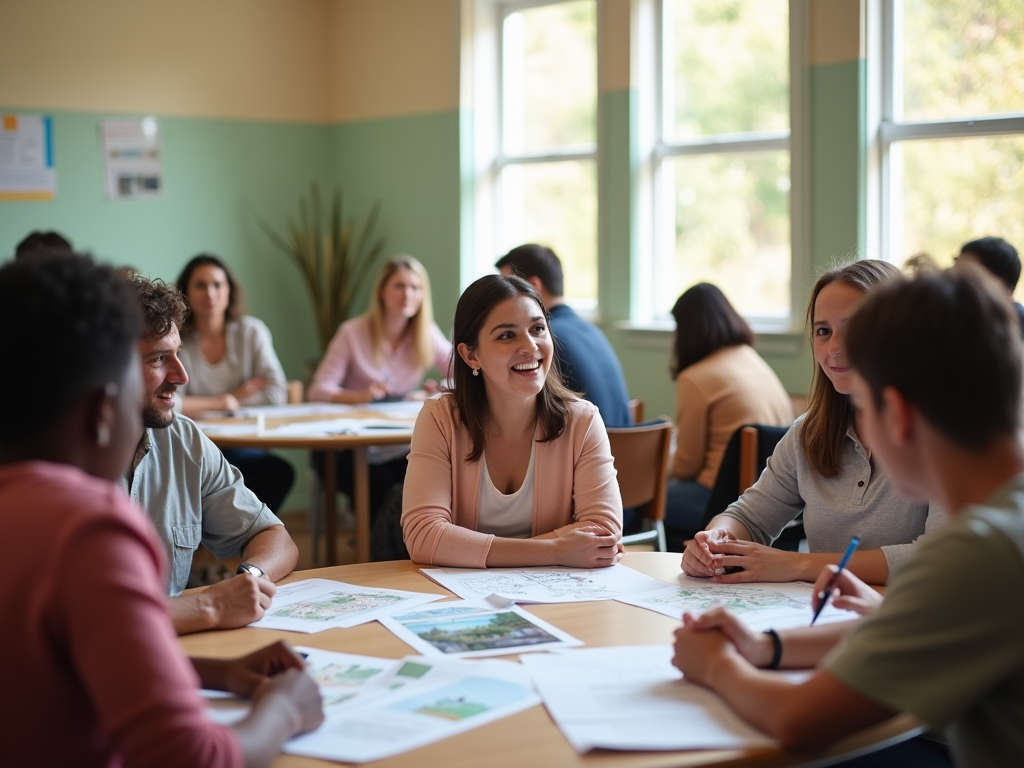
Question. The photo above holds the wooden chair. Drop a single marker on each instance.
(641, 460)
(295, 391)
(752, 463)
(636, 410)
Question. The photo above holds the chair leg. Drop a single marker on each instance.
(313, 513)
(659, 526)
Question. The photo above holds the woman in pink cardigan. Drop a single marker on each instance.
(509, 469)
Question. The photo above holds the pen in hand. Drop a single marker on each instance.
(826, 593)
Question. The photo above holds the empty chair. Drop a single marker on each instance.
(641, 460)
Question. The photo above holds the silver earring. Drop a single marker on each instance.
(102, 435)
(476, 371)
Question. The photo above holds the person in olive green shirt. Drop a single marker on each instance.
(937, 386)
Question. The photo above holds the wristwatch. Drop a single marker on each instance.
(255, 570)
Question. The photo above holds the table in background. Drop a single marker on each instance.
(357, 443)
(529, 738)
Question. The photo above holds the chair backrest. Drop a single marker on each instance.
(745, 457)
(641, 460)
(636, 410)
(295, 391)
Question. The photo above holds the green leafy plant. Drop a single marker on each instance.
(335, 256)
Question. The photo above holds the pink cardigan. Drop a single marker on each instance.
(574, 481)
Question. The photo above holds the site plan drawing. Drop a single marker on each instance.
(314, 605)
(543, 584)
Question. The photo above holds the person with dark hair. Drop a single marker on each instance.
(820, 468)
(509, 469)
(94, 661)
(721, 384)
(190, 491)
(944, 645)
(586, 361)
(1001, 259)
(231, 362)
(38, 242)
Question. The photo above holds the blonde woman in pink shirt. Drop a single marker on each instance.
(510, 468)
(383, 354)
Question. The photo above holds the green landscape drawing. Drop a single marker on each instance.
(735, 599)
(453, 709)
(481, 633)
(336, 604)
(343, 674)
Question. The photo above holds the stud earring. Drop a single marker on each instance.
(102, 435)
(476, 371)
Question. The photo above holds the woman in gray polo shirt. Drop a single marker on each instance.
(820, 468)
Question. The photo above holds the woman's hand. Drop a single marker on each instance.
(245, 674)
(848, 593)
(755, 647)
(698, 559)
(588, 546)
(431, 387)
(759, 563)
(248, 388)
(375, 391)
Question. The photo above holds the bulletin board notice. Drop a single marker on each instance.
(27, 171)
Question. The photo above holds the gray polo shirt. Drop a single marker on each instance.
(193, 495)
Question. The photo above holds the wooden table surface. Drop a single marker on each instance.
(528, 739)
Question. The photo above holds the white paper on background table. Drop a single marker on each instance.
(438, 698)
(545, 584)
(469, 628)
(320, 428)
(758, 605)
(294, 411)
(313, 605)
(632, 698)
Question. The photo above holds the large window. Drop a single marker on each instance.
(952, 129)
(539, 169)
(723, 172)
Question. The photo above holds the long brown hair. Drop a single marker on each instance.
(828, 411)
(471, 313)
(419, 325)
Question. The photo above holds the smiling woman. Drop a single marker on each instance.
(510, 468)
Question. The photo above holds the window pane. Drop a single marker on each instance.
(727, 67)
(731, 228)
(962, 58)
(958, 190)
(555, 204)
(550, 77)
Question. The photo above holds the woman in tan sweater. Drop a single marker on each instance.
(721, 384)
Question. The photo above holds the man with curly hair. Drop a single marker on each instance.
(190, 492)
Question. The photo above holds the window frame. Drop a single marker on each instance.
(794, 141)
(891, 132)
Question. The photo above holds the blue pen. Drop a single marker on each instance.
(827, 592)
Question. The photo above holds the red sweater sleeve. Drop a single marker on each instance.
(110, 610)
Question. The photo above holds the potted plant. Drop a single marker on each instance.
(335, 256)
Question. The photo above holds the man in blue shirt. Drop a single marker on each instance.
(586, 361)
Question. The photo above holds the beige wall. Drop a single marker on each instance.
(393, 58)
(245, 59)
(837, 31)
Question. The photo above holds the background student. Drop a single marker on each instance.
(945, 643)
(510, 468)
(820, 467)
(721, 384)
(383, 353)
(231, 361)
(95, 675)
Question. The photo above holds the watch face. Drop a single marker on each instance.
(250, 568)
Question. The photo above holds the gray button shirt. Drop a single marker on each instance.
(193, 495)
(860, 501)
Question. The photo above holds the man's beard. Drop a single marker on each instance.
(156, 418)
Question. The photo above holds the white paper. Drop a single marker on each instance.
(470, 628)
(633, 698)
(26, 157)
(294, 411)
(545, 584)
(440, 698)
(131, 158)
(313, 605)
(758, 605)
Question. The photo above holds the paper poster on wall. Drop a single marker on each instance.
(26, 157)
(131, 158)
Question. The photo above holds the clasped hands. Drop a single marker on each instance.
(712, 552)
(588, 545)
